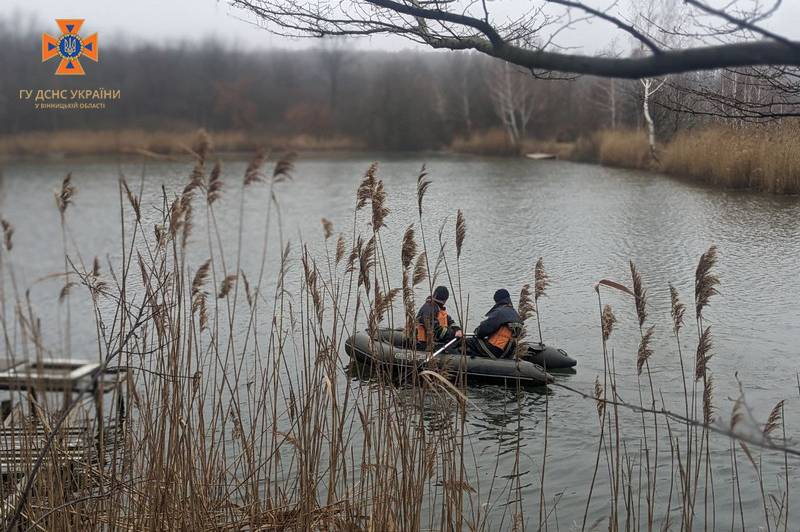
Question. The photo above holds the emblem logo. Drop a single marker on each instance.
(70, 47)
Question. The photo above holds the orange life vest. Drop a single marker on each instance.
(441, 317)
(501, 337)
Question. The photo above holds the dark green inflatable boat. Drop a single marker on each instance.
(393, 349)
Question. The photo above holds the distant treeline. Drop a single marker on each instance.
(386, 100)
(402, 100)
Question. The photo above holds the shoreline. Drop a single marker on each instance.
(763, 159)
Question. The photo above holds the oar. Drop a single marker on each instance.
(445, 346)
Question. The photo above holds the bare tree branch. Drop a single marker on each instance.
(614, 20)
(519, 41)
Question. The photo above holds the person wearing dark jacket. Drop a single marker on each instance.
(497, 335)
(434, 325)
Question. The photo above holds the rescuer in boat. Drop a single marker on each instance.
(434, 325)
(497, 335)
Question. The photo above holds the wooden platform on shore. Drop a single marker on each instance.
(55, 375)
(541, 156)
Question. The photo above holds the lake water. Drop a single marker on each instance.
(586, 221)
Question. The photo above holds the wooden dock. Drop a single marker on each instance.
(541, 156)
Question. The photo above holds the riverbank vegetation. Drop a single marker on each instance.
(76, 143)
(725, 128)
(754, 158)
(242, 410)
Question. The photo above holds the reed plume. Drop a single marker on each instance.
(598, 397)
(366, 261)
(226, 286)
(310, 272)
(420, 270)
(422, 187)
(607, 321)
(382, 304)
(65, 291)
(677, 309)
(8, 233)
(409, 248)
(705, 282)
(703, 354)
(65, 195)
(252, 173)
(196, 179)
(364, 192)
(526, 307)
(188, 225)
(645, 352)
(371, 190)
(214, 190)
(774, 420)
(339, 249)
(202, 145)
(379, 209)
(199, 280)
(639, 294)
(461, 232)
(176, 216)
(284, 168)
(327, 228)
(708, 395)
(408, 303)
(540, 283)
(133, 200)
(354, 254)
(541, 279)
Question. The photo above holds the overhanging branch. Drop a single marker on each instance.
(461, 31)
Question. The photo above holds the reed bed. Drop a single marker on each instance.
(243, 411)
(750, 157)
(496, 142)
(760, 158)
(493, 142)
(626, 149)
(163, 142)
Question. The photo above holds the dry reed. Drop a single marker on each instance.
(245, 423)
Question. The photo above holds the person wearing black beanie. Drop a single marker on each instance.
(497, 335)
(434, 325)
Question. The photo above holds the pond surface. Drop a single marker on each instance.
(587, 222)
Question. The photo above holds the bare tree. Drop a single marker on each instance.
(650, 86)
(334, 57)
(754, 94)
(604, 92)
(513, 100)
(666, 17)
(529, 39)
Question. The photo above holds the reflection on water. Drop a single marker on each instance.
(586, 222)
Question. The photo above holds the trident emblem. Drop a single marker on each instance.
(70, 47)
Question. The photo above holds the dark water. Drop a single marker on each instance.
(587, 222)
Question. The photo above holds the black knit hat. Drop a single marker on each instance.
(501, 295)
(441, 294)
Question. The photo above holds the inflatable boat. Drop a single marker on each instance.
(392, 348)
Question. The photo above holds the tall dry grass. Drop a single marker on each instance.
(239, 414)
(760, 158)
(623, 148)
(493, 142)
(133, 141)
(763, 158)
(496, 142)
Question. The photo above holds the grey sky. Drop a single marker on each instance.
(171, 20)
